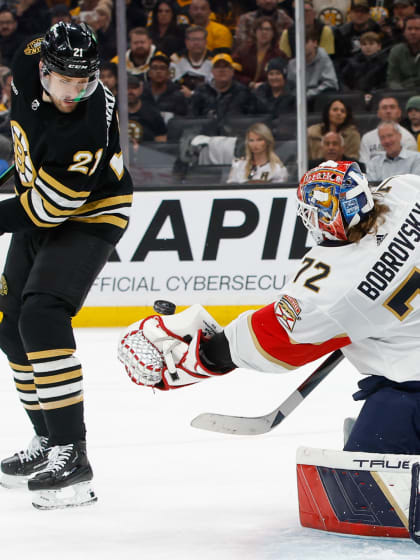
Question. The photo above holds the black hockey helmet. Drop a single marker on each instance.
(70, 49)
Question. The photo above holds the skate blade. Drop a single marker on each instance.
(77, 495)
(12, 482)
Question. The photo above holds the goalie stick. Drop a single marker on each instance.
(252, 426)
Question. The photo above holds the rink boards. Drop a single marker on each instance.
(230, 249)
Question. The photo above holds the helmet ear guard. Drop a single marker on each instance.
(332, 198)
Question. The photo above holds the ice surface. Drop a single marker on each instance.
(170, 492)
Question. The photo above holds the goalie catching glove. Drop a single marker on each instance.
(164, 352)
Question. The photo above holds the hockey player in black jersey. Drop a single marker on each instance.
(73, 197)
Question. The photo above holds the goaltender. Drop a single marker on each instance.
(358, 289)
(73, 197)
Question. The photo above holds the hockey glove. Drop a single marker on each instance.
(164, 352)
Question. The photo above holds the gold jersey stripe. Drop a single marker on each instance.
(110, 201)
(31, 406)
(50, 353)
(261, 350)
(32, 217)
(103, 203)
(62, 403)
(58, 378)
(23, 387)
(104, 219)
(18, 367)
(60, 187)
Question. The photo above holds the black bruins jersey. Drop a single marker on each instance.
(69, 166)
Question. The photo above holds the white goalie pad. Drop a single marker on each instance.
(363, 494)
(160, 348)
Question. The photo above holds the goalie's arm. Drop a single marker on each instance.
(257, 340)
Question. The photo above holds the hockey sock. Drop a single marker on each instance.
(58, 382)
(24, 381)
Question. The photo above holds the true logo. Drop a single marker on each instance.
(35, 104)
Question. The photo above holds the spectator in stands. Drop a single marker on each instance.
(164, 31)
(223, 95)
(265, 8)
(6, 90)
(261, 164)
(273, 96)
(400, 10)
(193, 66)
(320, 72)
(412, 122)
(347, 36)
(135, 14)
(219, 38)
(332, 148)
(59, 12)
(324, 33)
(11, 37)
(366, 70)
(141, 50)
(144, 120)
(163, 90)
(254, 56)
(395, 159)
(109, 76)
(404, 58)
(33, 16)
(388, 110)
(100, 20)
(336, 117)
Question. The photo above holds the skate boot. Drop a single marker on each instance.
(65, 482)
(16, 470)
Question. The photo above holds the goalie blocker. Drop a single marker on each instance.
(361, 494)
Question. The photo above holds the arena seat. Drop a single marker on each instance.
(200, 125)
(365, 121)
(354, 99)
(237, 125)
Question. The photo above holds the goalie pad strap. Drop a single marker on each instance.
(414, 516)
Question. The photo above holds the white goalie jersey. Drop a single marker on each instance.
(362, 297)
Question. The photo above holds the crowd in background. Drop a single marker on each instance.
(214, 60)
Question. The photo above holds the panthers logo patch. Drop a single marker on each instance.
(287, 311)
(34, 47)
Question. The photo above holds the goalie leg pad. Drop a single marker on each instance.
(363, 494)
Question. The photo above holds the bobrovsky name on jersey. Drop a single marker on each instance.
(396, 252)
(216, 247)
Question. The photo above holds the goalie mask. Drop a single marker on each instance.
(69, 67)
(332, 198)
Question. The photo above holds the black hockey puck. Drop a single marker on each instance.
(164, 307)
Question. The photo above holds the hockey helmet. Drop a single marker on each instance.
(71, 49)
(332, 198)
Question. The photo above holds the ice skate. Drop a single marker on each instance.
(65, 482)
(17, 469)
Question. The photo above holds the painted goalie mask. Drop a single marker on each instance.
(332, 198)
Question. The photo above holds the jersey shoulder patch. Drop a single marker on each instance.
(33, 47)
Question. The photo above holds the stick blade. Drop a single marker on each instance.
(234, 425)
